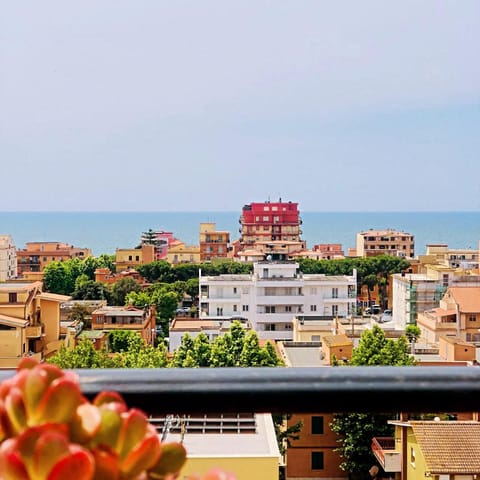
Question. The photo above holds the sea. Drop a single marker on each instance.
(104, 232)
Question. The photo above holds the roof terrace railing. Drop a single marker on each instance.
(302, 389)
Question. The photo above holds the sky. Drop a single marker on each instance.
(188, 105)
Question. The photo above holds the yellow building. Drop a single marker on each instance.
(127, 258)
(181, 253)
(440, 450)
(30, 322)
(243, 444)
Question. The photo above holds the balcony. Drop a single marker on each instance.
(384, 450)
(33, 332)
(324, 389)
(280, 299)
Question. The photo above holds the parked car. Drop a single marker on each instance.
(386, 316)
(182, 310)
(374, 309)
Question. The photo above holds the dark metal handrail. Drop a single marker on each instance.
(323, 389)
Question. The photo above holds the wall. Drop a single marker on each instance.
(261, 468)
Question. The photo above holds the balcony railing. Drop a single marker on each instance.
(384, 450)
(282, 389)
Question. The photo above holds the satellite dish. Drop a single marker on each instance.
(269, 258)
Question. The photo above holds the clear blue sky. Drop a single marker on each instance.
(207, 105)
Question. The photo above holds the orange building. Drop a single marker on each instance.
(213, 243)
(36, 255)
(313, 455)
(104, 275)
(126, 318)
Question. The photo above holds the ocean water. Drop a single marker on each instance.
(103, 232)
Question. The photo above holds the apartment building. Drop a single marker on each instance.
(415, 293)
(130, 258)
(178, 252)
(113, 318)
(37, 255)
(213, 243)
(8, 258)
(273, 295)
(458, 314)
(29, 322)
(467, 258)
(269, 221)
(385, 242)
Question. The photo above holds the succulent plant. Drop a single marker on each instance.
(50, 431)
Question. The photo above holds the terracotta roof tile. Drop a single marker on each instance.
(468, 298)
(449, 447)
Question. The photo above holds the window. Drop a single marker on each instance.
(313, 308)
(472, 317)
(270, 309)
(219, 311)
(265, 218)
(12, 297)
(412, 456)
(130, 257)
(288, 308)
(137, 258)
(234, 290)
(334, 310)
(244, 308)
(317, 460)
(315, 338)
(234, 308)
(334, 292)
(317, 425)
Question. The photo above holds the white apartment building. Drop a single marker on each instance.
(273, 295)
(8, 258)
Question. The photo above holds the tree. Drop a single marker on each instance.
(141, 355)
(180, 355)
(80, 313)
(121, 288)
(285, 433)
(149, 238)
(202, 349)
(121, 340)
(83, 355)
(356, 430)
(89, 290)
(413, 333)
(57, 280)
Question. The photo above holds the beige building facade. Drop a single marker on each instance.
(385, 242)
(29, 322)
